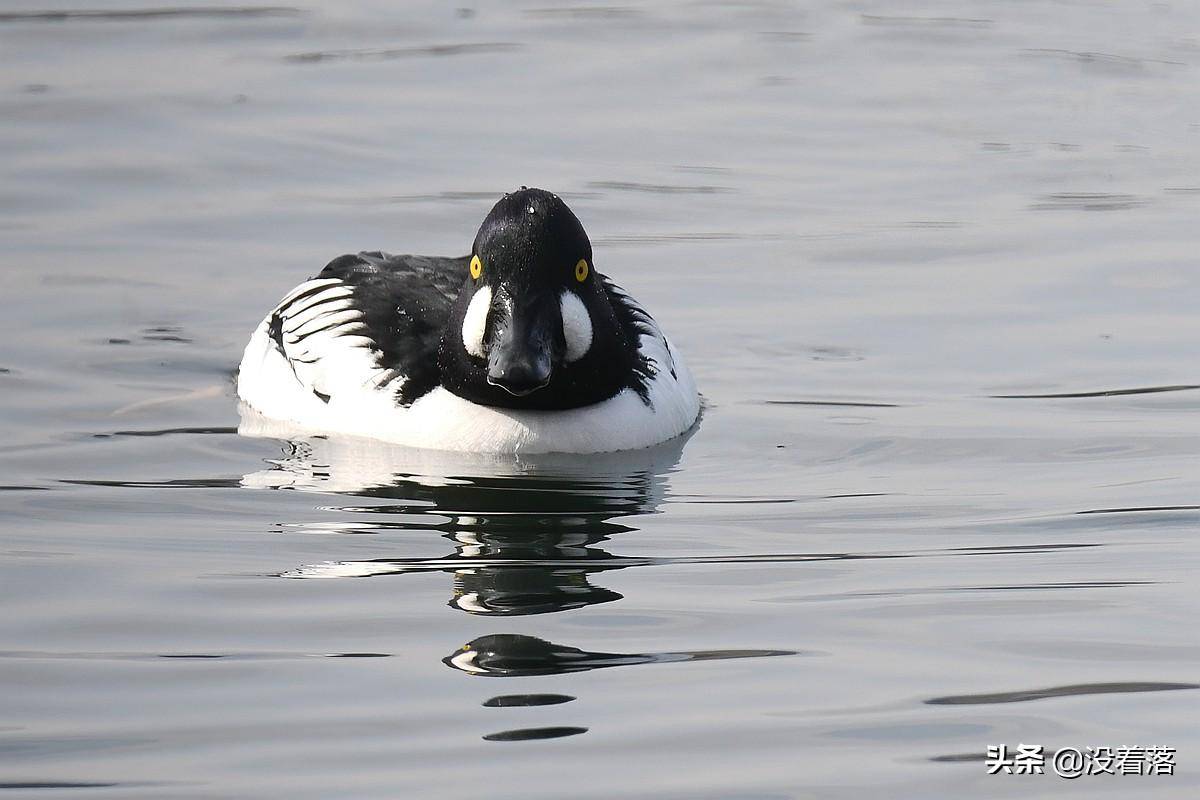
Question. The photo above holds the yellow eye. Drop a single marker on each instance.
(581, 270)
(476, 267)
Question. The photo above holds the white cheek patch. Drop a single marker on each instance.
(577, 326)
(475, 321)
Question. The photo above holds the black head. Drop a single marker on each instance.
(533, 326)
(531, 235)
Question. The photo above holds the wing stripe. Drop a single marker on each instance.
(367, 322)
(345, 329)
(328, 296)
(307, 289)
(328, 318)
(297, 322)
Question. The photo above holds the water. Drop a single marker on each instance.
(914, 257)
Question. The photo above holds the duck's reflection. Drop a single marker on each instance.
(511, 655)
(510, 591)
(507, 566)
(527, 533)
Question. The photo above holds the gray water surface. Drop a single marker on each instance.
(933, 265)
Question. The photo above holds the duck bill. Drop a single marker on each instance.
(521, 358)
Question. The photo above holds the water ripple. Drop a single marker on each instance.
(1088, 201)
(1181, 387)
(658, 188)
(1138, 509)
(388, 53)
(148, 14)
(845, 403)
(1105, 59)
(924, 22)
(64, 785)
(1057, 691)
(585, 12)
(598, 560)
(42, 655)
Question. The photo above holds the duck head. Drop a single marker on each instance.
(533, 326)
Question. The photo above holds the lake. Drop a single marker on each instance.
(933, 266)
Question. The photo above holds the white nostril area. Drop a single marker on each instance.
(475, 321)
(577, 326)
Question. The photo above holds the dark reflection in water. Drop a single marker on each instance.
(513, 655)
(526, 533)
(509, 655)
(526, 700)
(171, 483)
(502, 571)
(196, 430)
(527, 734)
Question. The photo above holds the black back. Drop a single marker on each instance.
(405, 302)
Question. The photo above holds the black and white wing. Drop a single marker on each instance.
(653, 350)
(368, 322)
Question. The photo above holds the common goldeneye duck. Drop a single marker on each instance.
(521, 346)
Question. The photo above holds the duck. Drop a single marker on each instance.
(520, 346)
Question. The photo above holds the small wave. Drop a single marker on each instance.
(658, 188)
(1182, 387)
(585, 12)
(1138, 509)
(150, 13)
(1088, 201)
(1058, 691)
(64, 785)
(926, 22)
(835, 403)
(44, 655)
(385, 54)
(1105, 59)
